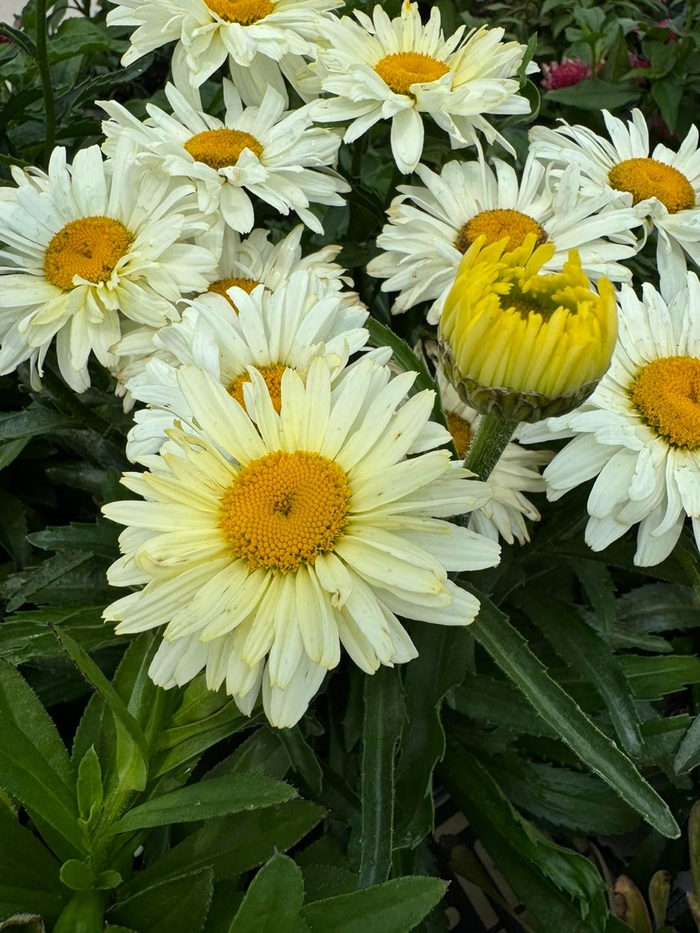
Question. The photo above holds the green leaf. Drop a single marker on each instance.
(98, 538)
(19, 704)
(21, 587)
(32, 421)
(273, 900)
(123, 717)
(486, 699)
(668, 94)
(234, 844)
(577, 801)
(536, 869)
(179, 905)
(442, 660)
(77, 875)
(10, 450)
(19, 37)
(659, 607)
(206, 800)
(653, 678)
(79, 36)
(89, 785)
(302, 759)
(13, 529)
(594, 94)
(383, 720)
(511, 652)
(580, 647)
(397, 906)
(25, 635)
(688, 756)
(29, 874)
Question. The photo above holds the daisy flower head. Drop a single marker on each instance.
(639, 433)
(520, 344)
(663, 186)
(208, 32)
(253, 260)
(278, 539)
(516, 473)
(244, 263)
(430, 228)
(226, 335)
(86, 246)
(278, 157)
(379, 68)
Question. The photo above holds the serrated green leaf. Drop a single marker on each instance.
(441, 664)
(511, 652)
(179, 905)
(396, 906)
(302, 759)
(537, 869)
(383, 720)
(89, 785)
(109, 695)
(233, 844)
(99, 538)
(206, 800)
(21, 587)
(26, 635)
(654, 678)
(273, 901)
(586, 653)
(32, 421)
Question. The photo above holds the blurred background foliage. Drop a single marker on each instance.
(153, 811)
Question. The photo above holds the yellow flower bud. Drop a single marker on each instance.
(521, 345)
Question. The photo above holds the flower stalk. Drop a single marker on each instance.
(491, 439)
(42, 60)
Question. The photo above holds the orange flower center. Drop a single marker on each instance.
(222, 147)
(498, 224)
(89, 247)
(222, 286)
(273, 380)
(647, 178)
(403, 69)
(285, 509)
(666, 393)
(244, 12)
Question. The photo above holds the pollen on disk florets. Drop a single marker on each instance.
(401, 70)
(272, 375)
(497, 224)
(244, 12)
(649, 178)
(666, 393)
(285, 509)
(89, 247)
(222, 147)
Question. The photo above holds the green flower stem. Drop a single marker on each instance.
(42, 60)
(491, 439)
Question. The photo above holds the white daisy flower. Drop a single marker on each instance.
(398, 69)
(430, 228)
(244, 263)
(664, 187)
(516, 473)
(639, 433)
(206, 33)
(249, 261)
(275, 541)
(86, 244)
(225, 336)
(278, 157)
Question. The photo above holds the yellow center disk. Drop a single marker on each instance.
(498, 224)
(461, 433)
(244, 12)
(220, 148)
(403, 69)
(90, 247)
(285, 509)
(666, 393)
(647, 178)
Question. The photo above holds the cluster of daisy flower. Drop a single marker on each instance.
(295, 496)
